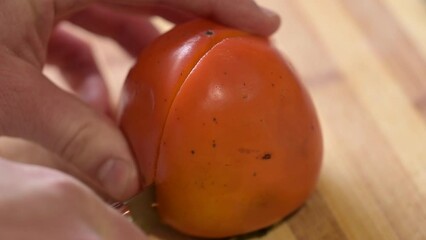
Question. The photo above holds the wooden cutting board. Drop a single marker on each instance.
(364, 63)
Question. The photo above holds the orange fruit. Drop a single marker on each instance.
(223, 128)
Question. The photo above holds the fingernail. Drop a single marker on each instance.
(118, 177)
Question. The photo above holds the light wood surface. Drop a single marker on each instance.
(364, 63)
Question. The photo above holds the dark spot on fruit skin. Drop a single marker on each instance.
(245, 96)
(254, 174)
(214, 144)
(273, 84)
(312, 127)
(225, 73)
(267, 156)
(244, 84)
(192, 152)
(215, 120)
(209, 33)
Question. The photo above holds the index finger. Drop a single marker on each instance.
(243, 14)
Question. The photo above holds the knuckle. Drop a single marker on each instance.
(60, 186)
(65, 185)
(52, 186)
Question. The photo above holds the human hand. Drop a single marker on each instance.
(42, 203)
(31, 107)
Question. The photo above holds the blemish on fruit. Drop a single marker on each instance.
(209, 33)
(215, 120)
(245, 96)
(214, 144)
(254, 174)
(266, 156)
(192, 152)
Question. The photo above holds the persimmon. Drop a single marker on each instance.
(220, 124)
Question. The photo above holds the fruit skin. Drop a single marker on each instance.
(236, 146)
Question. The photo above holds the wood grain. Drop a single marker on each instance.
(364, 63)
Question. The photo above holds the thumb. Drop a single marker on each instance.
(31, 107)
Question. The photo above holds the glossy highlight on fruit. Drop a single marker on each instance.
(222, 127)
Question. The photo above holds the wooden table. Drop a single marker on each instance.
(364, 62)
